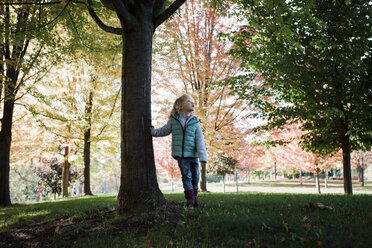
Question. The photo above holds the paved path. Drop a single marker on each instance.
(308, 187)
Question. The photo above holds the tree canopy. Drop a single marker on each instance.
(311, 64)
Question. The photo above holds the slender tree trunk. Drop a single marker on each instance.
(5, 142)
(87, 142)
(346, 165)
(139, 189)
(249, 177)
(317, 183)
(223, 182)
(275, 170)
(237, 183)
(65, 173)
(362, 172)
(203, 178)
(326, 178)
(301, 177)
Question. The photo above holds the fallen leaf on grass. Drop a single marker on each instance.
(318, 205)
(57, 230)
(307, 225)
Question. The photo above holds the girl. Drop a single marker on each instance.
(187, 145)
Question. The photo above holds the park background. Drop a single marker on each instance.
(282, 93)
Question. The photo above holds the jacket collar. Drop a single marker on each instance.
(177, 116)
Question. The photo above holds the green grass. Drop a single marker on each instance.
(223, 220)
(24, 214)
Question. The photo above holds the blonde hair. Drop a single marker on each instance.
(177, 106)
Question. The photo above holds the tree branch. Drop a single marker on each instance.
(31, 3)
(122, 10)
(103, 26)
(159, 7)
(168, 12)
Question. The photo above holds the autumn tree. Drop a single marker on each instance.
(75, 105)
(34, 37)
(28, 34)
(164, 160)
(190, 53)
(292, 156)
(316, 70)
(223, 166)
(251, 157)
(361, 160)
(50, 174)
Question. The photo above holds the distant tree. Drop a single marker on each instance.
(316, 69)
(31, 43)
(50, 173)
(361, 160)
(293, 157)
(251, 157)
(75, 105)
(164, 159)
(223, 166)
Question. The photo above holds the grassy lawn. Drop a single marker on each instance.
(223, 220)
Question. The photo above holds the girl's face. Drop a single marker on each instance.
(188, 105)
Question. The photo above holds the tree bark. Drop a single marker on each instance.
(346, 165)
(65, 173)
(139, 189)
(87, 142)
(5, 142)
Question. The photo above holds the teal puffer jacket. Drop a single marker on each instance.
(183, 139)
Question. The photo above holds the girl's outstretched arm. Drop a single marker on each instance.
(163, 131)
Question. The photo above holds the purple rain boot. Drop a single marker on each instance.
(196, 203)
(189, 195)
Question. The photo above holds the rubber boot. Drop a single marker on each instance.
(196, 203)
(189, 195)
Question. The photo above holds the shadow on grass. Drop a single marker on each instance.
(72, 207)
(223, 220)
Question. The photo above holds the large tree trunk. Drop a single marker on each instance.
(139, 189)
(87, 142)
(65, 173)
(346, 165)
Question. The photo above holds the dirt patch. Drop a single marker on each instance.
(102, 221)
